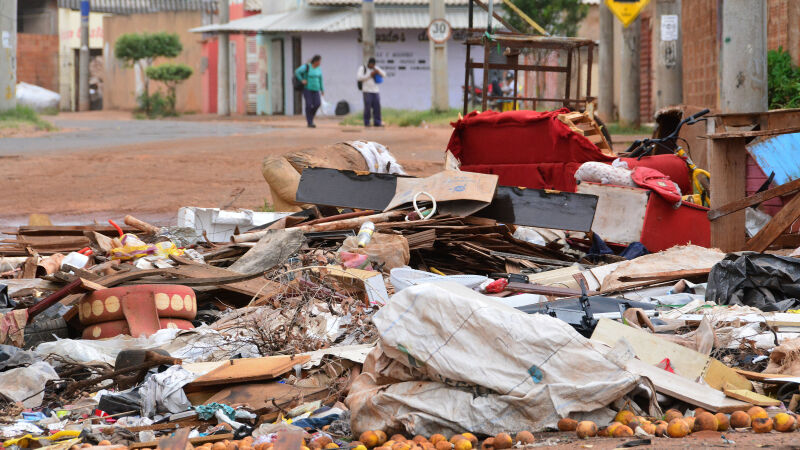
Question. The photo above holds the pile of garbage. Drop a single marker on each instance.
(393, 312)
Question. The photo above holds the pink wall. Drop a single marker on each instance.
(210, 50)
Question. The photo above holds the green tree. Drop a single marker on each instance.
(558, 17)
(140, 49)
(171, 75)
(783, 80)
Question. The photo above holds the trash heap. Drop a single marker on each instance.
(393, 312)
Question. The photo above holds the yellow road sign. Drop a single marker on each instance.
(626, 10)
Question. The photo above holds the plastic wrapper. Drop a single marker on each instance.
(766, 282)
(133, 248)
(389, 249)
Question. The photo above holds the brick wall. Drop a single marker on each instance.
(646, 74)
(700, 52)
(778, 24)
(37, 60)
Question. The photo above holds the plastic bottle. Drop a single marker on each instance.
(365, 233)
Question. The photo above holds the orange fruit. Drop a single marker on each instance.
(624, 416)
(762, 425)
(471, 438)
(677, 428)
(740, 419)
(784, 422)
(462, 444)
(705, 421)
(757, 412)
(586, 429)
(567, 424)
(672, 414)
(503, 440)
(436, 438)
(488, 443)
(526, 437)
(622, 431)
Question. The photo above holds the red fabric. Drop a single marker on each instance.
(672, 166)
(657, 182)
(524, 148)
(665, 227)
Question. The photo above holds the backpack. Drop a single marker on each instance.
(342, 108)
(360, 84)
(297, 83)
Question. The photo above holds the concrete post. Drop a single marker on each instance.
(629, 65)
(440, 99)
(743, 56)
(8, 55)
(223, 64)
(368, 29)
(605, 96)
(669, 60)
(83, 59)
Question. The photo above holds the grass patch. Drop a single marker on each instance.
(24, 116)
(617, 128)
(267, 207)
(407, 118)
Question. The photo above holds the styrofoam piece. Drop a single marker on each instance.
(219, 225)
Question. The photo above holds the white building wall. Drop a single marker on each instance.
(401, 53)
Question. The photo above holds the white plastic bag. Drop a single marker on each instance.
(37, 97)
(327, 108)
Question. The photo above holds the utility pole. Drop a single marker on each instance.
(629, 85)
(8, 60)
(83, 59)
(605, 99)
(440, 98)
(669, 61)
(223, 64)
(368, 29)
(743, 56)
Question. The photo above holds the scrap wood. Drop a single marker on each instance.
(343, 224)
(753, 398)
(666, 276)
(246, 370)
(762, 377)
(685, 389)
(265, 398)
(652, 349)
(554, 291)
(178, 441)
(755, 199)
(779, 223)
(193, 441)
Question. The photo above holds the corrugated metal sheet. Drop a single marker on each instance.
(252, 5)
(258, 22)
(778, 154)
(413, 18)
(141, 6)
(343, 19)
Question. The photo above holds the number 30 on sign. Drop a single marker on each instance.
(626, 10)
(439, 31)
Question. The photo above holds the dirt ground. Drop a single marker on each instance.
(105, 165)
(704, 439)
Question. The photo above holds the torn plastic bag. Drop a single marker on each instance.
(766, 282)
(26, 384)
(453, 360)
(163, 392)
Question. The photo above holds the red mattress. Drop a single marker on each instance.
(524, 148)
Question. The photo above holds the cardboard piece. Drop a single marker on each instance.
(457, 193)
(753, 398)
(687, 363)
(245, 370)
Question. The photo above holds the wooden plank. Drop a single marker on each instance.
(545, 290)
(727, 163)
(776, 226)
(266, 395)
(686, 390)
(178, 441)
(666, 276)
(749, 134)
(525, 67)
(652, 350)
(751, 397)
(755, 199)
(246, 370)
(758, 376)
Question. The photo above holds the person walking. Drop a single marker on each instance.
(369, 77)
(310, 75)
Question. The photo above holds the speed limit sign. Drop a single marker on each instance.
(439, 31)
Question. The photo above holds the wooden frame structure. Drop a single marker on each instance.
(517, 43)
(728, 135)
